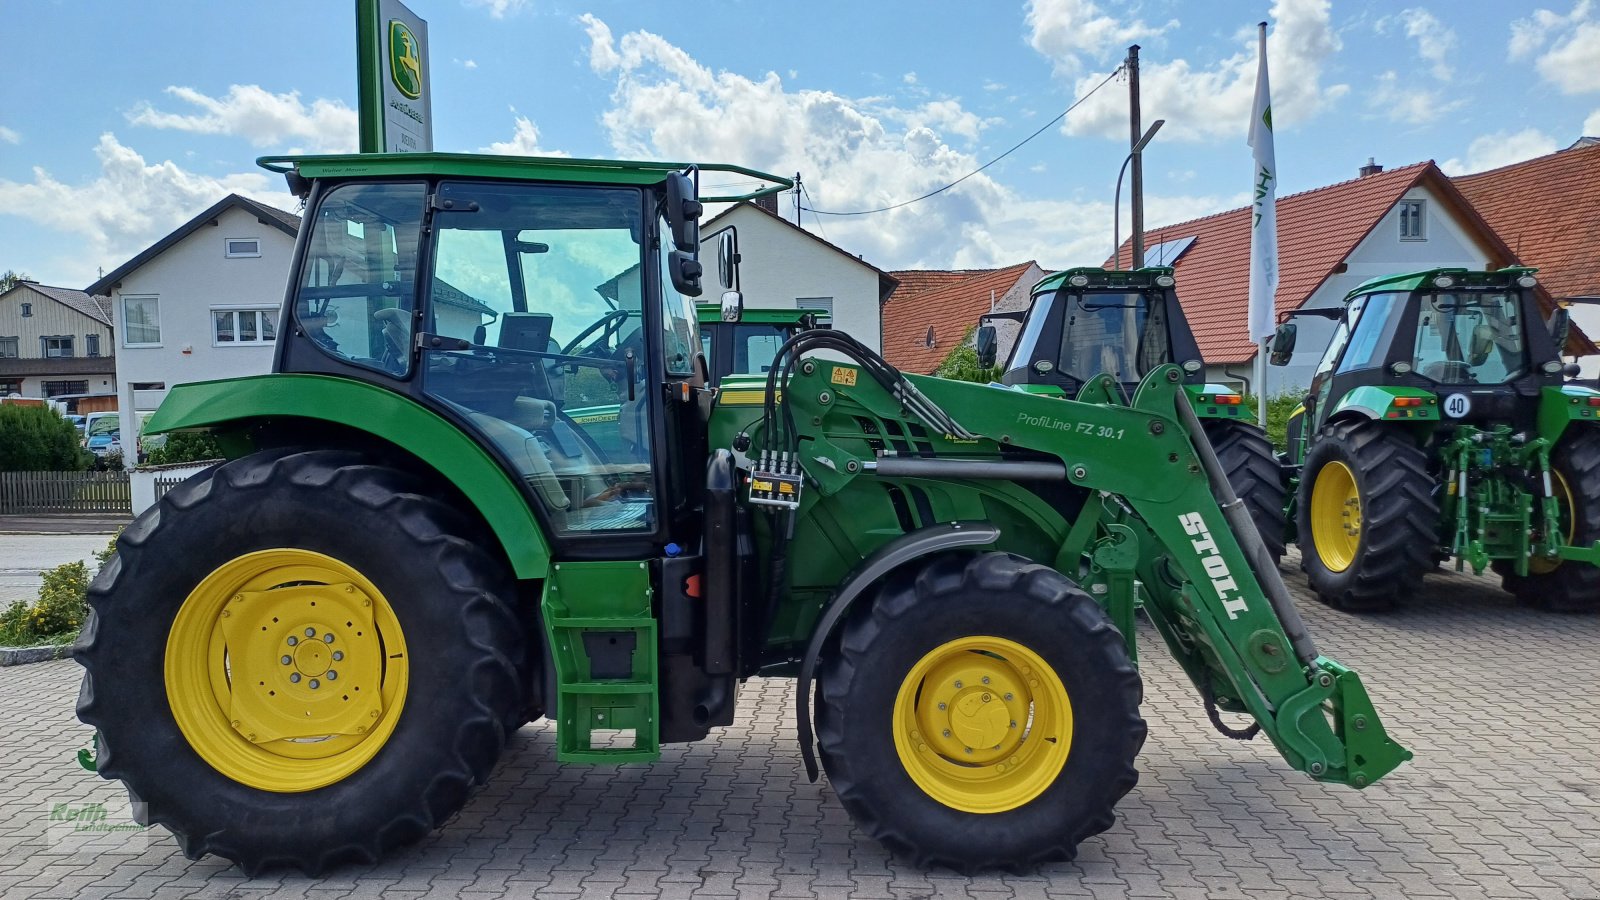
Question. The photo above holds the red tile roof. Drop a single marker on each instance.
(949, 302)
(1317, 230)
(1548, 210)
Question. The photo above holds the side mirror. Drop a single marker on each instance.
(1560, 327)
(1283, 344)
(732, 306)
(987, 345)
(728, 259)
(685, 272)
(683, 212)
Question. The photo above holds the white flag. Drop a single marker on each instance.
(1264, 221)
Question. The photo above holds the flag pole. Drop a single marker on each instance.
(1263, 228)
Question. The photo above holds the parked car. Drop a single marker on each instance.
(78, 422)
(103, 433)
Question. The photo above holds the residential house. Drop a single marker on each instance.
(1330, 240)
(1548, 210)
(783, 266)
(199, 304)
(55, 342)
(932, 311)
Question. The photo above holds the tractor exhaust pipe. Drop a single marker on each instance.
(1244, 528)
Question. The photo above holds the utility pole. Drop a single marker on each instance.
(1136, 187)
(797, 199)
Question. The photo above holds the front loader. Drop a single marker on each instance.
(309, 654)
(1439, 424)
(1087, 322)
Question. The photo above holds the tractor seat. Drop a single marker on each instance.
(1448, 372)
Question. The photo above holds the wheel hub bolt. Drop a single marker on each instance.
(1013, 723)
(293, 640)
(958, 685)
(338, 655)
(327, 638)
(314, 684)
(941, 704)
(294, 677)
(311, 632)
(985, 679)
(1009, 698)
(969, 751)
(332, 676)
(287, 659)
(947, 732)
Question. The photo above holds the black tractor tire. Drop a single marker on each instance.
(1570, 586)
(449, 600)
(1252, 468)
(915, 615)
(1398, 517)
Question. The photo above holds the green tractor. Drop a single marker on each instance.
(1439, 425)
(312, 652)
(1087, 322)
(751, 344)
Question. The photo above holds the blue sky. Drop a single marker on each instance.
(118, 123)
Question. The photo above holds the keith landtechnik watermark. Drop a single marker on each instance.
(95, 827)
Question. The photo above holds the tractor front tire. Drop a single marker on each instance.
(980, 712)
(295, 659)
(1367, 518)
(1568, 586)
(1252, 469)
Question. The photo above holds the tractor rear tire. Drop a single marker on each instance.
(1367, 518)
(1569, 586)
(218, 586)
(973, 649)
(1252, 469)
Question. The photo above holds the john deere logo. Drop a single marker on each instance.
(405, 60)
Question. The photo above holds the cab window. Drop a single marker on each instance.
(356, 300)
(1469, 338)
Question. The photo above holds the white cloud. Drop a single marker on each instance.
(1401, 101)
(263, 118)
(498, 9)
(1591, 125)
(524, 141)
(128, 206)
(9, 136)
(1436, 41)
(1502, 148)
(909, 78)
(854, 153)
(993, 86)
(1208, 100)
(1574, 46)
(1069, 31)
(466, 63)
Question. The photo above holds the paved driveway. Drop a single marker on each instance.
(1501, 705)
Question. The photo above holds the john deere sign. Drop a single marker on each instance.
(396, 110)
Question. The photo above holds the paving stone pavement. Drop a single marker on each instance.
(1500, 704)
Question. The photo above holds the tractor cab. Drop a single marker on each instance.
(750, 345)
(1087, 322)
(1471, 346)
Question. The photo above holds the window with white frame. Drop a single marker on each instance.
(55, 346)
(243, 327)
(141, 321)
(241, 248)
(1413, 220)
(91, 344)
(823, 303)
(10, 347)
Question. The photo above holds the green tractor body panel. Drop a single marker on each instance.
(1385, 402)
(1562, 407)
(277, 401)
(1217, 401)
(710, 314)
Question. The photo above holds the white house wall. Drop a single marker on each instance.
(191, 278)
(1380, 253)
(780, 265)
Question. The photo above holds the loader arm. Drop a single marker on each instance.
(1229, 623)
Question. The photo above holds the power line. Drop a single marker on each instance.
(1042, 129)
(804, 190)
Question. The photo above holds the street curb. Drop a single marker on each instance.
(18, 656)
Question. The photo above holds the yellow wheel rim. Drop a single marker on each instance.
(286, 670)
(1336, 516)
(982, 724)
(1564, 501)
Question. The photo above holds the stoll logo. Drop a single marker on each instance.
(1216, 567)
(405, 60)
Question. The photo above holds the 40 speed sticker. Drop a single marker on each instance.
(1457, 405)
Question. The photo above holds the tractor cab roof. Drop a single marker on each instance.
(1097, 277)
(299, 169)
(711, 314)
(1510, 276)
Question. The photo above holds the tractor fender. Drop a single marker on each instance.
(892, 555)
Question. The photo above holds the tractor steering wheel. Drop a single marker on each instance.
(609, 325)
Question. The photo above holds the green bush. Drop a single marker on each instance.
(60, 610)
(962, 364)
(182, 447)
(1278, 410)
(37, 439)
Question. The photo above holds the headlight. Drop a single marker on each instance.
(1401, 368)
(1164, 280)
(1191, 366)
(1078, 280)
(1444, 281)
(1526, 281)
(1553, 367)
(1043, 365)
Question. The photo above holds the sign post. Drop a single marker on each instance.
(396, 105)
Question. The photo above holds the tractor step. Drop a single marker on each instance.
(598, 618)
